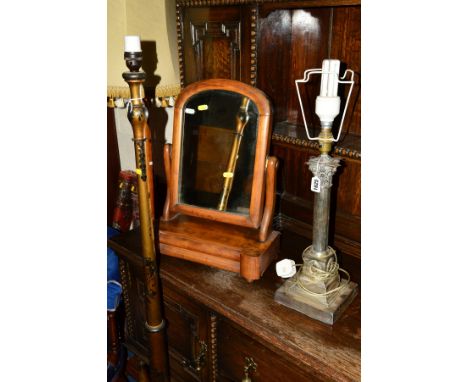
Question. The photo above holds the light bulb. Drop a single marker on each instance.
(327, 104)
(132, 44)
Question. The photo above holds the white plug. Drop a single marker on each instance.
(286, 268)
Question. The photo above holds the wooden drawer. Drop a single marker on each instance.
(187, 332)
(233, 348)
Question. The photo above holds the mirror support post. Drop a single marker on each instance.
(270, 172)
(167, 215)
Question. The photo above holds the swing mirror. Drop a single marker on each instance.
(220, 146)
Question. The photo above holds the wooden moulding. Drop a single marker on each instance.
(290, 3)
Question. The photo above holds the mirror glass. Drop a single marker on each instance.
(219, 137)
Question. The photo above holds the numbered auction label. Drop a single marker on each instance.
(315, 184)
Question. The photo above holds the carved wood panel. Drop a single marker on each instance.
(217, 43)
(216, 48)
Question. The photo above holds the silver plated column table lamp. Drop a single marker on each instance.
(317, 289)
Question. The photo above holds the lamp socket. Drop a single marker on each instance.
(327, 108)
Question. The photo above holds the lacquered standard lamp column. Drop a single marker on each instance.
(137, 115)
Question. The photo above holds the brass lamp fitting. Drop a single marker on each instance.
(325, 139)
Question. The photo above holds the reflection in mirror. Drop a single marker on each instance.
(219, 136)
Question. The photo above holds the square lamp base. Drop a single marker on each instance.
(294, 297)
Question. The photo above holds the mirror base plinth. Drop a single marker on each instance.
(218, 245)
(294, 297)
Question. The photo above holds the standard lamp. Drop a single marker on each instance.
(317, 289)
(137, 115)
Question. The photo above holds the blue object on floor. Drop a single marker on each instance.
(112, 259)
(114, 290)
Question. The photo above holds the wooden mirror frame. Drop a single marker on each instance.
(264, 122)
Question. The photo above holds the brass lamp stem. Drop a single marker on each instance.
(155, 324)
(325, 139)
(242, 119)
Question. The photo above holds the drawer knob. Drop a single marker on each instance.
(250, 366)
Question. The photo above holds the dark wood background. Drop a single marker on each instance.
(269, 44)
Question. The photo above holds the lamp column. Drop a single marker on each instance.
(317, 289)
(323, 168)
(137, 115)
